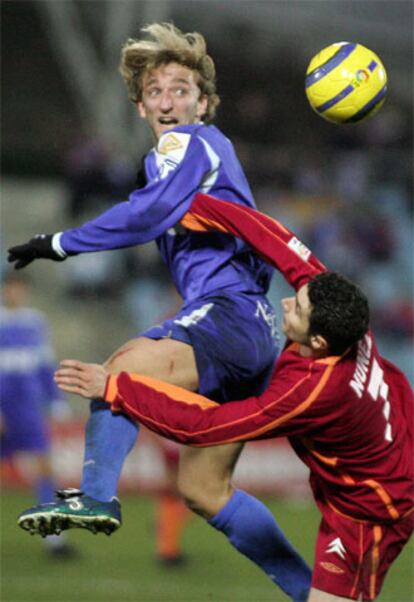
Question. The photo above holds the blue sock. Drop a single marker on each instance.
(45, 490)
(251, 528)
(108, 440)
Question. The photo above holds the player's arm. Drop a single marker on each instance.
(148, 213)
(284, 409)
(268, 237)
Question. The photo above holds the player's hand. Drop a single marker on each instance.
(38, 247)
(86, 380)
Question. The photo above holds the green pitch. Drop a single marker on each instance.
(121, 568)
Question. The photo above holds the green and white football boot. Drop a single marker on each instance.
(72, 509)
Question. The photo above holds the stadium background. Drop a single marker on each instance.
(71, 145)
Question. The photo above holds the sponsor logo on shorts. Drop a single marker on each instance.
(336, 547)
(332, 568)
(195, 316)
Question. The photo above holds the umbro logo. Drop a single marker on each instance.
(332, 568)
(336, 547)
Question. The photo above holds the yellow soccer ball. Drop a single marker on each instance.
(346, 82)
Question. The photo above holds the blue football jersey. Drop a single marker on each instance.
(26, 363)
(187, 159)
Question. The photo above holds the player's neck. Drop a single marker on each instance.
(306, 351)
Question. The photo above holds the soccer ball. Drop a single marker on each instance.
(346, 83)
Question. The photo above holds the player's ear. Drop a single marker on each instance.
(202, 106)
(319, 343)
(141, 110)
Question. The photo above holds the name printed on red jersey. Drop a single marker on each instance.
(360, 376)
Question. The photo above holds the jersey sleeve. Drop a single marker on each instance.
(268, 237)
(150, 211)
(287, 408)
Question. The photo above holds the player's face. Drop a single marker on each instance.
(14, 294)
(171, 97)
(296, 312)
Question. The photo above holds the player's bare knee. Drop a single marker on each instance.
(195, 506)
(201, 505)
(204, 496)
(191, 493)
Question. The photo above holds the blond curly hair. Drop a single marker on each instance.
(169, 44)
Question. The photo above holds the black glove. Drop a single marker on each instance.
(38, 247)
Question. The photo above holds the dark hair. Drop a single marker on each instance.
(339, 311)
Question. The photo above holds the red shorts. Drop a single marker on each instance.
(352, 558)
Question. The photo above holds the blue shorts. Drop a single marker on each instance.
(25, 421)
(235, 342)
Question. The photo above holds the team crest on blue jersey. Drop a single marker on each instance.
(174, 144)
(170, 152)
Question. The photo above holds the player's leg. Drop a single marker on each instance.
(33, 451)
(204, 477)
(108, 439)
(171, 513)
(44, 487)
(43, 478)
(235, 347)
(205, 483)
(25, 434)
